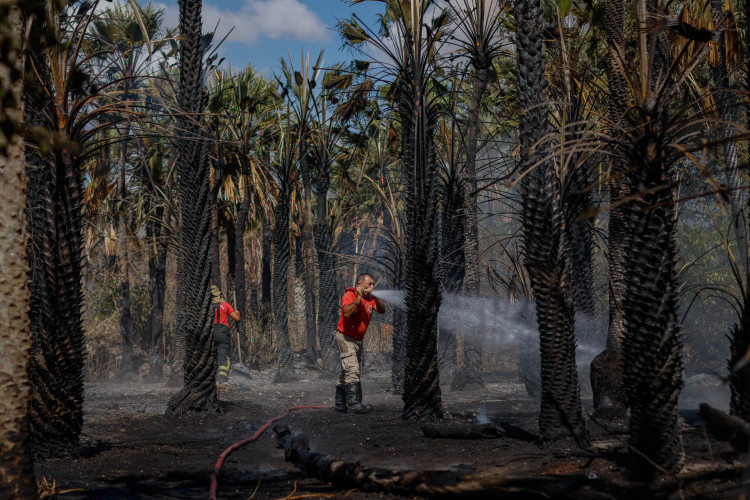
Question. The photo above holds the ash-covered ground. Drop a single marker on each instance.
(131, 449)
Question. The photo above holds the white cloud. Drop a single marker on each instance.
(276, 19)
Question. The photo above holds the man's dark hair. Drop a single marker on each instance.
(362, 277)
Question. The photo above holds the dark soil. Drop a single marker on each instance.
(131, 449)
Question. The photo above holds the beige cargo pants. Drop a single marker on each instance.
(351, 355)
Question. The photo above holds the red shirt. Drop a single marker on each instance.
(355, 325)
(221, 313)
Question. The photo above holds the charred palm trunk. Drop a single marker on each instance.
(239, 256)
(580, 235)
(157, 273)
(194, 269)
(651, 348)
(285, 368)
(308, 247)
(725, 106)
(216, 229)
(265, 271)
(606, 369)
(452, 274)
(54, 216)
(16, 467)
(399, 328)
(123, 259)
(544, 240)
(328, 300)
(470, 375)
(55, 250)
(422, 398)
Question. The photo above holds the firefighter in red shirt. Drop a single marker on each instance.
(221, 311)
(357, 306)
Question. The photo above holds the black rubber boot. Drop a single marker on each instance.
(340, 404)
(353, 401)
(359, 396)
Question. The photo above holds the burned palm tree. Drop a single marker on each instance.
(652, 139)
(606, 368)
(411, 64)
(194, 269)
(544, 239)
(287, 162)
(62, 106)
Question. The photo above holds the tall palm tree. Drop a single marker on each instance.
(299, 85)
(651, 345)
(544, 240)
(69, 106)
(194, 269)
(16, 468)
(606, 370)
(287, 163)
(411, 65)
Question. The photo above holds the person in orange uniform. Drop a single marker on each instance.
(221, 311)
(357, 306)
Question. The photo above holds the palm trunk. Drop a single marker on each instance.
(308, 249)
(328, 300)
(55, 262)
(285, 368)
(239, 257)
(123, 263)
(422, 397)
(452, 275)
(16, 468)
(651, 348)
(725, 107)
(157, 272)
(194, 269)
(581, 238)
(471, 374)
(399, 329)
(606, 369)
(266, 276)
(544, 240)
(216, 231)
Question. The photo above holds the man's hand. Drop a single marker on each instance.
(360, 291)
(349, 309)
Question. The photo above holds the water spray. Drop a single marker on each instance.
(501, 322)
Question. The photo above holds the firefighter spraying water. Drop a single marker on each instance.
(357, 305)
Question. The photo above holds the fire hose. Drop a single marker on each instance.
(239, 444)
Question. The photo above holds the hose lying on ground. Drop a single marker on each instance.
(434, 483)
(239, 444)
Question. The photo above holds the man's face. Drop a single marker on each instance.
(368, 284)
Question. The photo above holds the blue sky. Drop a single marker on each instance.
(266, 30)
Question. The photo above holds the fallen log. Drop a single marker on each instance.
(431, 483)
(461, 431)
(726, 427)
